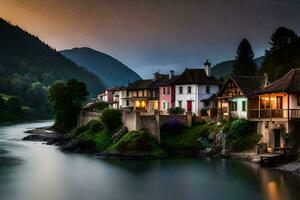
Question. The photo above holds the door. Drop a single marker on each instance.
(189, 106)
(276, 138)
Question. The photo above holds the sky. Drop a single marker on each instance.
(151, 35)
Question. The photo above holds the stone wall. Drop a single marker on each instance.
(134, 120)
(86, 116)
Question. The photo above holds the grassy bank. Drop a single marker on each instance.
(96, 137)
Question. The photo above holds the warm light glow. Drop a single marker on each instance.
(143, 103)
(137, 104)
(156, 105)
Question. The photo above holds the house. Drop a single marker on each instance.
(110, 96)
(276, 109)
(233, 96)
(142, 95)
(167, 93)
(193, 86)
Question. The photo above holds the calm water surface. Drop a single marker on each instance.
(33, 171)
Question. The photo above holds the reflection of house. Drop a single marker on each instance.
(167, 93)
(110, 96)
(276, 108)
(142, 95)
(235, 93)
(193, 86)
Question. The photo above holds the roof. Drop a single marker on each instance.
(248, 84)
(210, 99)
(289, 83)
(159, 81)
(170, 81)
(140, 84)
(196, 76)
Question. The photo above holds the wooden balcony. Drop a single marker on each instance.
(274, 113)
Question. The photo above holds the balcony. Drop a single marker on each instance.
(274, 113)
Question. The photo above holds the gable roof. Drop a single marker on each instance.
(289, 83)
(196, 76)
(139, 84)
(169, 81)
(247, 84)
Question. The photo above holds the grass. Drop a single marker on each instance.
(187, 139)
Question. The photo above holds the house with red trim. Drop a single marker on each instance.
(193, 87)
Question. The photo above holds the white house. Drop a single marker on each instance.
(193, 87)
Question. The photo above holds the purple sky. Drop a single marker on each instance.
(149, 35)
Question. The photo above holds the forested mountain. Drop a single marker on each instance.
(28, 67)
(224, 69)
(111, 71)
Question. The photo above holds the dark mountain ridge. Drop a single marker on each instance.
(110, 70)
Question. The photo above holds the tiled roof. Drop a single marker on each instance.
(196, 76)
(170, 81)
(288, 83)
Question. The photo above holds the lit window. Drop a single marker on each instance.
(137, 104)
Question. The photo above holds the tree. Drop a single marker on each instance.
(112, 119)
(66, 100)
(244, 64)
(283, 55)
(14, 105)
(2, 103)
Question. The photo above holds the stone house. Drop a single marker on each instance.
(276, 109)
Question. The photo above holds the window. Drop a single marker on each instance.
(180, 104)
(164, 105)
(206, 104)
(140, 93)
(168, 90)
(189, 89)
(127, 102)
(127, 93)
(207, 89)
(233, 106)
(243, 105)
(298, 100)
(164, 90)
(180, 90)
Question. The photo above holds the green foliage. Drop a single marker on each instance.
(176, 110)
(112, 119)
(138, 141)
(14, 105)
(28, 67)
(242, 135)
(187, 139)
(244, 64)
(101, 105)
(67, 100)
(283, 55)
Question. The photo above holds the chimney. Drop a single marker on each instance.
(266, 75)
(157, 75)
(172, 73)
(207, 68)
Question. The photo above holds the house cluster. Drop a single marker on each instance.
(274, 107)
(192, 91)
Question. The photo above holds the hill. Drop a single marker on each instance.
(110, 70)
(224, 69)
(28, 67)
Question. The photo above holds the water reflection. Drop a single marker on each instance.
(34, 171)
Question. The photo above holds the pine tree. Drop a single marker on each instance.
(244, 64)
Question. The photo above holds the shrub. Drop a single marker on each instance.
(111, 119)
(197, 121)
(176, 110)
(242, 135)
(101, 105)
(203, 112)
(173, 126)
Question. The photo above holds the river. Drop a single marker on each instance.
(34, 171)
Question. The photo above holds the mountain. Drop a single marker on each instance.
(224, 69)
(110, 70)
(28, 67)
